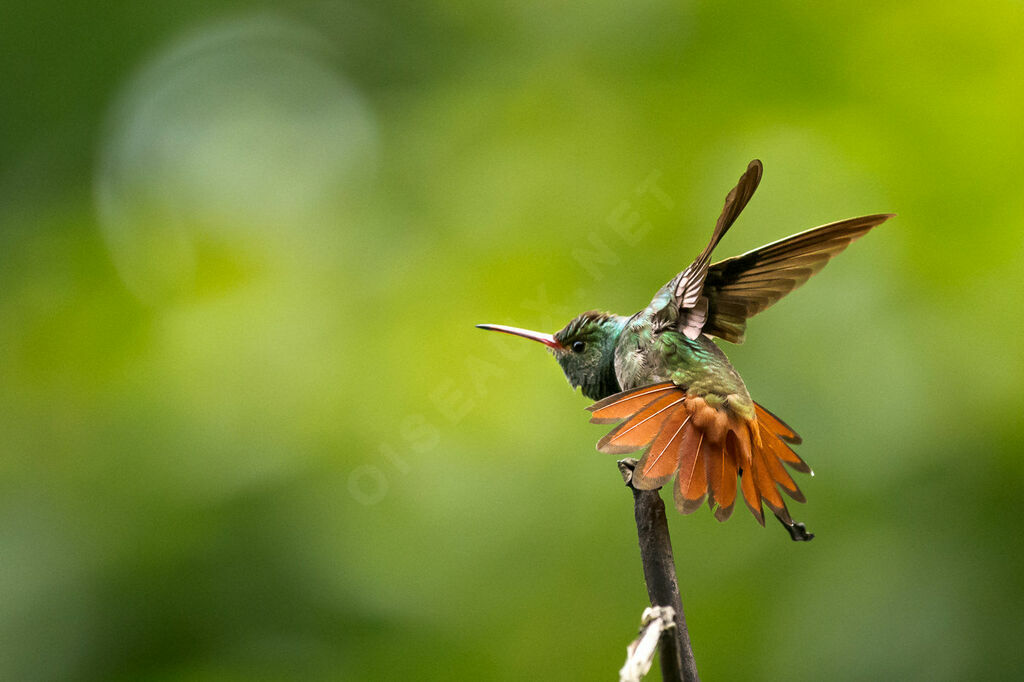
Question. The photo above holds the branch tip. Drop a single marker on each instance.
(797, 531)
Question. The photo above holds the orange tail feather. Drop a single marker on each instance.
(725, 482)
(661, 459)
(642, 428)
(766, 475)
(692, 482)
(706, 447)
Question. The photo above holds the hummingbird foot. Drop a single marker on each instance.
(797, 531)
(626, 468)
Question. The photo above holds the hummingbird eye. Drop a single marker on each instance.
(578, 346)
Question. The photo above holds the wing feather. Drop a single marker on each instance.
(740, 287)
(687, 286)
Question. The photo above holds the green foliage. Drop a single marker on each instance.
(248, 429)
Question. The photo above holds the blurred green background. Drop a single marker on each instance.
(249, 431)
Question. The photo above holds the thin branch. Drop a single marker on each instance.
(677, 663)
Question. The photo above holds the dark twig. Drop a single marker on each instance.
(677, 663)
(797, 531)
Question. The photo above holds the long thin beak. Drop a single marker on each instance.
(547, 339)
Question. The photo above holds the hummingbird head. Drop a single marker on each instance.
(585, 349)
(587, 355)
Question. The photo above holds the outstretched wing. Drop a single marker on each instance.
(706, 448)
(680, 303)
(688, 283)
(739, 288)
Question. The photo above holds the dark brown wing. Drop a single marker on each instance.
(739, 288)
(686, 287)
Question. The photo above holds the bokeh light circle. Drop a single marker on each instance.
(243, 133)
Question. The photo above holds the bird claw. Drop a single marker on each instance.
(626, 468)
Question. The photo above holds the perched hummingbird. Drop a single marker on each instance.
(673, 389)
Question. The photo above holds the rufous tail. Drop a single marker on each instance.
(706, 448)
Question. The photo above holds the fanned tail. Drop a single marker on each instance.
(706, 448)
(766, 475)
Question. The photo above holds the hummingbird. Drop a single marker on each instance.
(671, 388)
